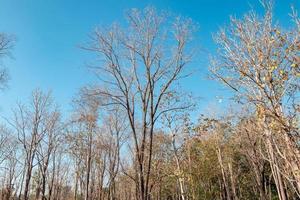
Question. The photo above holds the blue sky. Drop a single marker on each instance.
(48, 32)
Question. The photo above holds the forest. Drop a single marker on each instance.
(132, 134)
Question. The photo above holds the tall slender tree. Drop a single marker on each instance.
(141, 65)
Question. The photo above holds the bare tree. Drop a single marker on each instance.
(32, 123)
(47, 148)
(140, 66)
(83, 136)
(7, 162)
(115, 127)
(177, 124)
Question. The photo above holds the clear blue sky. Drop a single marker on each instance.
(48, 33)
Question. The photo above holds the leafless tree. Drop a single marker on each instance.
(140, 67)
(115, 126)
(32, 123)
(47, 148)
(83, 139)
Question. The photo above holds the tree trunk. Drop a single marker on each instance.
(274, 167)
(228, 194)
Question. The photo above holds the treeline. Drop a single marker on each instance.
(132, 136)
